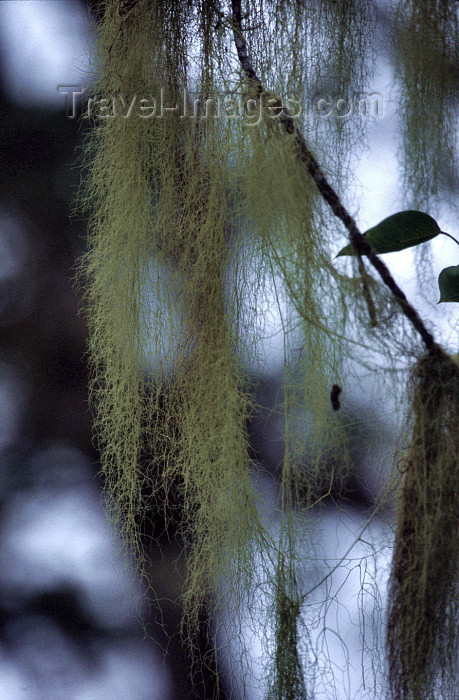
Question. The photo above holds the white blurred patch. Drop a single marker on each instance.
(58, 532)
(45, 44)
(46, 667)
(131, 671)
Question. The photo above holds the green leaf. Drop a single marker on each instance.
(448, 281)
(399, 231)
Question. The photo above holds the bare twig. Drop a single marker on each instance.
(450, 236)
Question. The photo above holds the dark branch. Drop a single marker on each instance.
(359, 242)
(450, 236)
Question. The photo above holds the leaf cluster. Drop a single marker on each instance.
(405, 230)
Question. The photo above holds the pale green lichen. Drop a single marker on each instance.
(427, 57)
(423, 629)
(229, 211)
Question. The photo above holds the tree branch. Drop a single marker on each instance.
(357, 239)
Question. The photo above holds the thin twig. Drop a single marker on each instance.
(367, 293)
(450, 236)
(361, 245)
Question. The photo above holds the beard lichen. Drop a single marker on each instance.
(423, 615)
(158, 191)
(228, 212)
(427, 59)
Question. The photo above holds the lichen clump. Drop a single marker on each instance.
(423, 621)
(426, 61)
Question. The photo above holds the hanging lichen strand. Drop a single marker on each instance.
(210, 457)
(159, 194)
(117, 193)
(427, 59)
(317, 57)
(287, 673)
(423, 623)
(347, 43)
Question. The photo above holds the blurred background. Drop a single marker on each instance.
(70, 608)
